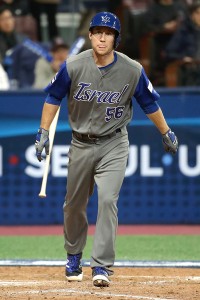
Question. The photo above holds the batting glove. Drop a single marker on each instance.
(170, 142)
(42, 141)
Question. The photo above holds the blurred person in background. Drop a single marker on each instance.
(185, 47)
(162, 19)
(18, 7)
(48, 7)
(9, 38)
(24, 21)
(45, 70)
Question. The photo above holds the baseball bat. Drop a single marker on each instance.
(52, 130)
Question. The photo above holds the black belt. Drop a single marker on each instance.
(92, 138)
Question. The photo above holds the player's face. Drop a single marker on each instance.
(102, 40)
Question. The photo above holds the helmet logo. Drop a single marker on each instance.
(105, 19)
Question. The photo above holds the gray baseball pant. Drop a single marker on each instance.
(103, 163)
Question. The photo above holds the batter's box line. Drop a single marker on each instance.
(118, 263)
(79, 292)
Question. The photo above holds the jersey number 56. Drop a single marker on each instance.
(114, 112)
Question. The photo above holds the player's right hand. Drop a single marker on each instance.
(170, 142)
(42, 141)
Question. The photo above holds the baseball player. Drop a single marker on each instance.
(100, 84)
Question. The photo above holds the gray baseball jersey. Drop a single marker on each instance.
(100, 99)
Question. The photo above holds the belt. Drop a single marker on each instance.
(92, 138)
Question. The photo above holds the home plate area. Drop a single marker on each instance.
(45, 282)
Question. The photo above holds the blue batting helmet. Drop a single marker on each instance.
(107, 19)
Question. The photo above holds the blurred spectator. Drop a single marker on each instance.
(4, 80)
(162, 19)
(185, 47)
(131, 14)
(18, 7)
(45, 70)
(49, 8)
(24, 58)
(9, 38)
(24, 22)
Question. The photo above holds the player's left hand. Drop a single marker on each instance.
(170, 142)
(42, 141)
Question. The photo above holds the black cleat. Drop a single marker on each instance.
(74, 268)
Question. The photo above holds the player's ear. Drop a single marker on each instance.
(90, 35)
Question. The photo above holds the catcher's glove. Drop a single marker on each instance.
(170, 142)
(42, 141)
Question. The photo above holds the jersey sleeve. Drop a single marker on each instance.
(146, 95)
(59, 86)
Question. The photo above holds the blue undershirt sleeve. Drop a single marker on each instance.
(59, 87)
(145, 94)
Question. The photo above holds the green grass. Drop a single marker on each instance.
(145, 247)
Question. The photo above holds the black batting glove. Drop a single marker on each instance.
(170, 142)
(42, 141)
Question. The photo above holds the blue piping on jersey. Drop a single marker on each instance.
(112, 63)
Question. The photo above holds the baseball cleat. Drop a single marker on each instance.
(74, 268)
(100, 277)
(74, 276)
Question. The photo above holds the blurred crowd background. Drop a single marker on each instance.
(36, 37)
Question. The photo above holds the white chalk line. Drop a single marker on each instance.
(28, 282)
(78, 292)
(43, 282)
(35, 283)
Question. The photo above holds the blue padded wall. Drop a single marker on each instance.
(158, 188)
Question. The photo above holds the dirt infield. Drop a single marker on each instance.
(48, 283)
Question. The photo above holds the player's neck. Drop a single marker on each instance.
(103, 60)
